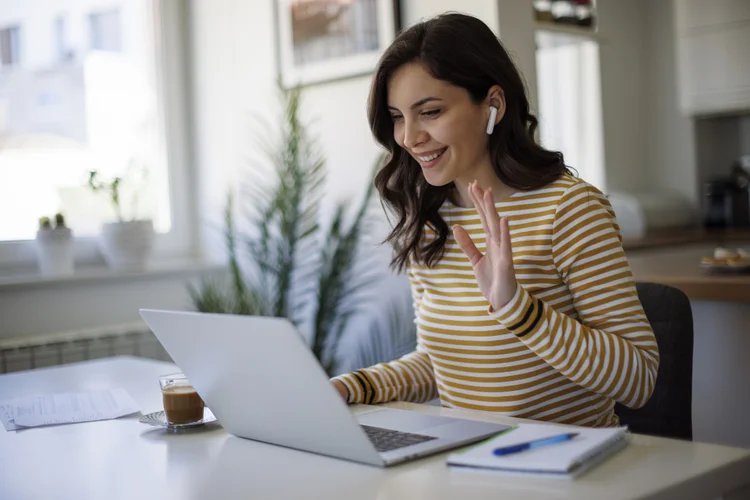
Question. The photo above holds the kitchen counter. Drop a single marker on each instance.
(684, 236)
(679, 266)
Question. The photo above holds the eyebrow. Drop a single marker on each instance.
(418, 103)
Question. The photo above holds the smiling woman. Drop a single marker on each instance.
(528, 307)
(432, 97)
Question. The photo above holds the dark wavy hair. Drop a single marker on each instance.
(463, 51)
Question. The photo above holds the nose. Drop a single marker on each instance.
(414, 134)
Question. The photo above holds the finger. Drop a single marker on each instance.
(506, 246)
(476, 197)
(491, 215)
(467, 245)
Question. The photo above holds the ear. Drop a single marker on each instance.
(496, 98)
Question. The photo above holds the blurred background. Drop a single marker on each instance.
(169, 102)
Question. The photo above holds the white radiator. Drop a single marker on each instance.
(134, 339)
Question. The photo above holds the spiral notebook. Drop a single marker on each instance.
(567, 459)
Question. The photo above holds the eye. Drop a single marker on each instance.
(432, 113)
(396, 118)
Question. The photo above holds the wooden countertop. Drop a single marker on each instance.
(679, 266)
(683, 236)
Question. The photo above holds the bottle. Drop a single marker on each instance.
(584, 13)
(563, 12)
(542, 11)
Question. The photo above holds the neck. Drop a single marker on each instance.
(486, 179)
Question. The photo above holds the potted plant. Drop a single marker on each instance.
(284, 260)
(54, 247)
(125, 244)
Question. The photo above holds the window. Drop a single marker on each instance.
(103, 110)
(570, 104)
(105, 31)
(10, 52)
(62, 47)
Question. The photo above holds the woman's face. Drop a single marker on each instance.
(439, 125)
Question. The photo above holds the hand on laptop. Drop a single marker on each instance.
(341, 389)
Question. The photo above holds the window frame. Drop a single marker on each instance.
(15, 49)
(171, 35)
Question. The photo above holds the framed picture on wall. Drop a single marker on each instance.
(324, 40)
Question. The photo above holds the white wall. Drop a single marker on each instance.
(622, 50)
(234, 73)
(510, 19)
(648, 143)
(70, 305)
(233, 76)
(670, 136)
(517, 35)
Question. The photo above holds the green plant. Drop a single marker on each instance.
(113, 188)
(109, 187)
(294, 268)
(59, 220)
(46, 222)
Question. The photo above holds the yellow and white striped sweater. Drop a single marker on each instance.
(573, 340)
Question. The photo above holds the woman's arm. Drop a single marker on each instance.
(409, 378)
(610, 348)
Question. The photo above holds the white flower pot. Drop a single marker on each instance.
(55, 251)
(127, 246)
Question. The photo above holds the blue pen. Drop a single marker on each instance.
(560, 438)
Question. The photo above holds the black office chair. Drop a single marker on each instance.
(669, 411)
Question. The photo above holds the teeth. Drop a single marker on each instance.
(430, 157)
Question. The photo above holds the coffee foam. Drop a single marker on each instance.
(179, 389)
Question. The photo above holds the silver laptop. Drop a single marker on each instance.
(262, 382)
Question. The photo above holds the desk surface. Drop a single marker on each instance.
(125, 459)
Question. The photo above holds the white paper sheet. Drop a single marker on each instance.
(66, 408)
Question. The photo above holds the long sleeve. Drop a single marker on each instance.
(603, 343)
(409, 378)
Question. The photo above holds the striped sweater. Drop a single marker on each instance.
(571, 342)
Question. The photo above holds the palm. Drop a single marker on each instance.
(485, 271)
(493, 269)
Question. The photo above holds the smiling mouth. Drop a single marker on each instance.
(432, 156)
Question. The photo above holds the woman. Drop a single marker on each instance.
(527, 306)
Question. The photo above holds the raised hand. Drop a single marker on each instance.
(493, 270)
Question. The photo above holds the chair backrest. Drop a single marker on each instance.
(669, 411)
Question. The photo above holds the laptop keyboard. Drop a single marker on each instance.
(388, 439)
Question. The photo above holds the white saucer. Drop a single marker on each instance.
(159, 419)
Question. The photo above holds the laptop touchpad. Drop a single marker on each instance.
(403, 420)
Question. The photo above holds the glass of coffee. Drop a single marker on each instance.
(182, 404)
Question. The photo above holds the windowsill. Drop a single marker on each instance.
(29, 277)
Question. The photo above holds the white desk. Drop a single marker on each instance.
(125, 459)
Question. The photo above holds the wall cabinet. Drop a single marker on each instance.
(713, 56)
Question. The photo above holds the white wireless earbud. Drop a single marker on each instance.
(491, 121)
